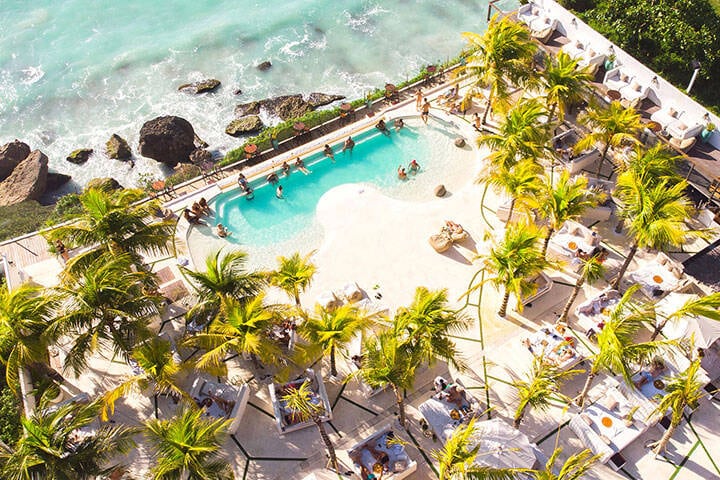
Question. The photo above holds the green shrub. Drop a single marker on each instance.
(22, 218)
(66, 206)
(184, 173)
(10, 427)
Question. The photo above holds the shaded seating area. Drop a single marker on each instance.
(288, 420)
(573, 162)
(382, 455)
(572, 242)
(543, 284)
(657, 275)
(450, 406)
(554, 346)
(592, 313)
(221, 400)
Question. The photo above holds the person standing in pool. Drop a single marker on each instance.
(349, 144)
(414, 166)
(328, 152)
(279, 192)
(425, 111)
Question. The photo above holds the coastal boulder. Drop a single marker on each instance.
(203, 86)
(288, 107)
(200, 156)
(56, 180)
(264, 66)
(316, 99)
(241, 126)
(11, 154)
(118, 148)
(245, 109)
(27, 181)
(167, 139)
(105, 183)
(440, 191)
(79, 156)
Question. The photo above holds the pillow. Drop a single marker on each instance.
(623, 77)
(662, 260)
(591, 53)
(535, 11)
(610, 403)
(635, 85)
(547, 20)
(586, 418)
(680, 125)
(677, 272)
(672, 112)
(579, 45)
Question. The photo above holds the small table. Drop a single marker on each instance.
(613, 95)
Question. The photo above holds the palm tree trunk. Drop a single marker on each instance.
(503, 307)
(661, 444)
(551, 113)
(547, 240)
(657, 329)
(602, 159)
(401, 406)
(333, 367)
(297, 297)
(625, 265)
(519, 417)
(510, 214)
(580, 400)
(489, 106)
(328, 443)
(571, 300)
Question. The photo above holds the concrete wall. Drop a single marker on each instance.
(662, 92)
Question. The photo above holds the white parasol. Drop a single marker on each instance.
(705, 330)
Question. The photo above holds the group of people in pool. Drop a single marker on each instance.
(413, 167)
(194, 215)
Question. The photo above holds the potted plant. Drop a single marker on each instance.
(707, 131)
(610, 62)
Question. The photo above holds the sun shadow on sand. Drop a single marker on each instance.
(463, 251)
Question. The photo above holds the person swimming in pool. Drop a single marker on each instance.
(328, 152)
(279, 192)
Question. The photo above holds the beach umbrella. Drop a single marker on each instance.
(501, 446)
(705, 330)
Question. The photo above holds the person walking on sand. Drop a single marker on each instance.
(425, 111)
(418, 99)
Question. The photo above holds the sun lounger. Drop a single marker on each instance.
(528, 13)
(591, 58)
(543, 27)
(590, 439)
(443, 417)
(617, 78)
(657, 276)
(225, 401)
(666, 115)
(575, 48)
(286, 420)
(592, 313)
(399, 464)
(684, 127)
(569, 240)
(634, 92)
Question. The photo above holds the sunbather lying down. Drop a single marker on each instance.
(455, 230)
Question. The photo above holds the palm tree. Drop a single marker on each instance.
(225, 276)
(25, 315)
(612, 126)
(591, 271)
(565, 84)
(388, 361)
(241, 328)
(331, 331)
(107, 303)
(457, 461)
(574, 468)
(521, 182)
(51, 449)
(617, 350)
(541, 383)
(564, 200)
(707, 306)
(160, 367)
(188, 446)
(427, 322)
(683, 391)
(504, 53)
(117, 223)
(520, 136)
(655, 215)
(514, 262)
(299, 401)
(293, 275)
(651, 165)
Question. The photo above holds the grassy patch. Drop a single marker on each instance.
(22, 218)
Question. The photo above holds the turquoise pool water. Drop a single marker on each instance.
(267, 220)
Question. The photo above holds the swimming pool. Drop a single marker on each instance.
(267, 220)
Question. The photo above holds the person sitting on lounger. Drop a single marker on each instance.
(197, 209)
(657, 367)
(455, 394)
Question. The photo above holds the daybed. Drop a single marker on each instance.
(684, 127)
(575, 48)
(542, 28)
(286, 420)
(603, 210)
(617, 78)
(634, 92)
(572, 238)
(554, 347)
(592, 313)
(591, 58)
(705, 331)
(544, 284)
(528, 13)
(666, 115)
(657, 276)
(564, 144)
(224, 401)
(366, 455)
(443, 416)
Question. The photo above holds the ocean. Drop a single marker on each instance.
(73, 72)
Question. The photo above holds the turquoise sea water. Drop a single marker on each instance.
(266, 219)
(73, 72)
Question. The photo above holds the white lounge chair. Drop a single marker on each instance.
(684, 127)
(528, 13)
(666, 115)
(617, 78)
(591, 58)
(634, 91)
(592, 312)
(399, 464)
(236, 397)
(543, 27)
(657, 276)
(575, 48)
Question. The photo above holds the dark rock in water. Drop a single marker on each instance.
(237, 91)
(27, 180)
(241, 126)
(167, 139)
(252, 108)
(459, 142)
(289, 107)
(440, 191)
(317, 99)
(199, 142)
(203, 86)
(106, 183)
(55, 181)
(80, 156)
(200, 155)
(11, 154)
(118, 148)
(264, 66)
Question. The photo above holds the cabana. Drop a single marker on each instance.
(657, 276)
(221, 400)
(572, 238)
(286, 420)
(444, 415)
(592, 313)
(382, 454)
(705, 331)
